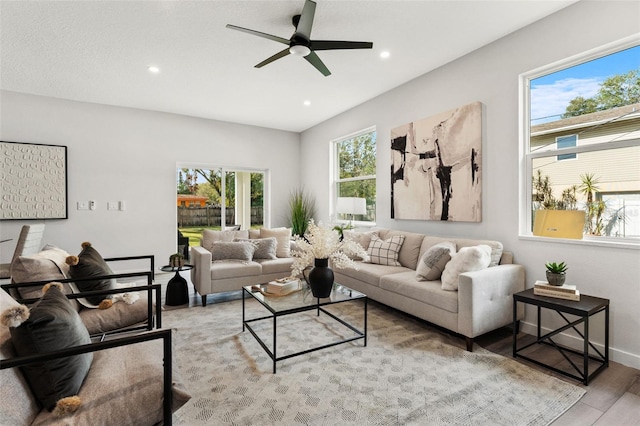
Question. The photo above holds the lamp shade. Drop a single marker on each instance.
(351, 205)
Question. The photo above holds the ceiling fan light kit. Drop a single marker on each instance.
(300, 43)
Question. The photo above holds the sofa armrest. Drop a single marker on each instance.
(164, 334)
(201, 271)
(485, 298)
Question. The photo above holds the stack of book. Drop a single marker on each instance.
(568, 292)
(283, 286)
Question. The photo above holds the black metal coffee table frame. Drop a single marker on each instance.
(318, 306)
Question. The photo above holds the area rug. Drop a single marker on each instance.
(408, 374)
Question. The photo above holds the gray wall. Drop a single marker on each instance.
(131, 155)
(490, 75)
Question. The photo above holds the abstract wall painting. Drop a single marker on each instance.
(436, 167)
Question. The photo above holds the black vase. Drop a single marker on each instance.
(320, 279)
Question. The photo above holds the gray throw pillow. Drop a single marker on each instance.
(239, 250)
(434, 260)
(53, 324)
(265, 247)
(89, 263)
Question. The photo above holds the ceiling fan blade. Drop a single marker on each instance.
(270, 59)
(337, 45)
(314, 60)
(259, 34)
(306, 19)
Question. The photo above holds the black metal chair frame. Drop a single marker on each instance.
(152, 320)
(164, 334)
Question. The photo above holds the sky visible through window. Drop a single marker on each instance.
(551, 93)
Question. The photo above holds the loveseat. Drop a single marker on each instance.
(229, 260)
(475, 302)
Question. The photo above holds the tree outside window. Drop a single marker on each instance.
(587, 112)
(355, 171)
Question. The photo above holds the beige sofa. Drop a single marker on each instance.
(218, 275)
(482, 303)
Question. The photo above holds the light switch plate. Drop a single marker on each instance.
(83, 205)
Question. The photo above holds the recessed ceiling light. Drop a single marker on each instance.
(385, 54)
(307, 103)
(153, 69)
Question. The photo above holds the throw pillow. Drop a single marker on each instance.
(433, 261)
(209, 237)
(385, 252)
(48, 264)
(265, 247)
(467, 259)
(232, 251)
(362, 238)
(89, 263)
(52, 324)
(283, 236)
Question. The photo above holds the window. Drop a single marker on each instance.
(586, 109)
(566, 142)
(218, 198)
(355, 174)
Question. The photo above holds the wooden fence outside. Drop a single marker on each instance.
(210, 216)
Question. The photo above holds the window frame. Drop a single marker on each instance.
(563, 157)
(336, 180)
(526, 156)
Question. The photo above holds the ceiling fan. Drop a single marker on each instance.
(300, 43)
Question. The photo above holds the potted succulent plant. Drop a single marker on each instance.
(556, 273)
(176, 260)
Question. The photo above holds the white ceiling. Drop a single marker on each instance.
(99, 51)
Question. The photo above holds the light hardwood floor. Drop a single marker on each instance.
(612, 398)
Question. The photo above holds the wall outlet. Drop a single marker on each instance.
(83, 205)
(92, 205)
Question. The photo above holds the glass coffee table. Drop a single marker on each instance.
(296, 302)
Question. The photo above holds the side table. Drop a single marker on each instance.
(584, 309)
(177, 291)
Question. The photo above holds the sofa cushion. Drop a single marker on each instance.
(467, 259)
(385, 252)
(410, 249)
(89, 263)
(119, 315)
(371, 272)
(265, 247)
(429, 292)
(124, 387)
(237, 250)
(283, 236)
(210, 236)
(434, 260)
(53, 324)
(19, 405)
(232, 269)
(276, 266)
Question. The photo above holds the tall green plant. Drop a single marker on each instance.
(302, 208)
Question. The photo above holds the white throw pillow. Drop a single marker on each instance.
(385, 252)
(283, 236)
(467, 259)
(434, 260)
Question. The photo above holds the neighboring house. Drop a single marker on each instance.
(186, 200)
(616, 170)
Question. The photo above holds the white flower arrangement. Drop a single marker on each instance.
(320, 242)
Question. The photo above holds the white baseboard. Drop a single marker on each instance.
(575, 342)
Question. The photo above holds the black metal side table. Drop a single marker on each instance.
(177, 291)
(584, 309)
